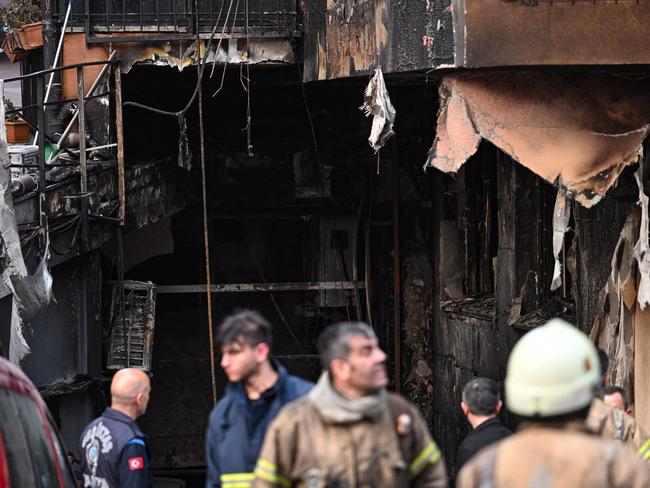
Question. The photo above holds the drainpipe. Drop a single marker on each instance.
(49, 54)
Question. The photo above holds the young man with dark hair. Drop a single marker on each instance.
(481, 404)
(348, 431)
(259, 386)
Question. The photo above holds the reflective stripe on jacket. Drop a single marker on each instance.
(236, 429)
(303, 449)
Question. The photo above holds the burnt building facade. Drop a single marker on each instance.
(199, 157)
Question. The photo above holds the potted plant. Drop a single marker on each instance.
(17, 128)
(24, 30)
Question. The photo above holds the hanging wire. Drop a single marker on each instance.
(200, 73)
(249, 144)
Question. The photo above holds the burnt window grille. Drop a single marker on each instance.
(177, 19)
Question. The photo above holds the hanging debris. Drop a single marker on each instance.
(575, 130)
(561, 216)
(184, 152)
(641, 249)
(376, 102)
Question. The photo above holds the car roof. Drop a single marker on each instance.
(12, 378)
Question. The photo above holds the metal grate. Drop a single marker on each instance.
(132, 20)
(131, 343)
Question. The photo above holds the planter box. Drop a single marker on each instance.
(12, 48)
(31, 35)
(17, 132)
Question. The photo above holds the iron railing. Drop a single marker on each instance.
(139, 20)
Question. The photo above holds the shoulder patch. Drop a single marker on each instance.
(136, 463)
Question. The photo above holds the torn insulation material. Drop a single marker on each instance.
(561, 216)
(376, 102)
(641, 249)
(613, 328)
(30, 293)
(578, 130)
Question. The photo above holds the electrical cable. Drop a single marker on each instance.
(200, 74)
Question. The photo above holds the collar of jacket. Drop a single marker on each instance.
(118, 416)
(339, 409)
(491, 421)
(238, 390)
(571, 425)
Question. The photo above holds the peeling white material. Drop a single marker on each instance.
(376, 102)
(642, 249)
(561, 215)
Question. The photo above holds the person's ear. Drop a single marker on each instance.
(498, 409)
(465, 408)
(262, 351)
(629, 411)
(340, 369)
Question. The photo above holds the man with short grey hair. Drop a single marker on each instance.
(348, 431)
(481, 405)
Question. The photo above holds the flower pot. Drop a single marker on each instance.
(12, 48)
(17, 132)
(31, 35)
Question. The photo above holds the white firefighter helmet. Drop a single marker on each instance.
(552, 370)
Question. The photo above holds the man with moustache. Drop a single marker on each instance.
(348, 431)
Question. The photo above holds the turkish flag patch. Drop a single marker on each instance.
(136, 463)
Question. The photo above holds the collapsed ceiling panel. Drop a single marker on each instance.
(575, 130)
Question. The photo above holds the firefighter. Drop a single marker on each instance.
(551, 378)
(348, 431)
(259, 386)
(615, 424)
(114, 451)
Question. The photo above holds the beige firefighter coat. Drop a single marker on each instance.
(613, 423)
(566, 457)
(304, 449)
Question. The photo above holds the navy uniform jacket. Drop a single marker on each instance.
(237, 426)
(114, 453)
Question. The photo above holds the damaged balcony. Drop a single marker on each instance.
(177, 20)
(351, 37)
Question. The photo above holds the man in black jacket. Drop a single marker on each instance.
(481, 405)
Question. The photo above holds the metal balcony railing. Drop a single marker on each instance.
(138, 20)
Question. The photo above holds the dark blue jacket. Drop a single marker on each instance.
(237, 426)
(115, 453)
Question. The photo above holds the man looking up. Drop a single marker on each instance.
(114, 450)
(481, 405)
(348, 431)
(259, 386)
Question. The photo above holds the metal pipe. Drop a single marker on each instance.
(92, 89)
(261, 287)
(56, 58)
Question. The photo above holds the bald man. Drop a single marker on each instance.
(114, 449)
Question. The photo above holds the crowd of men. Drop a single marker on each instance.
(272, 429)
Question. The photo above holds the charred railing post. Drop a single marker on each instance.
(49, 59)
(83, 169)
(120, 143)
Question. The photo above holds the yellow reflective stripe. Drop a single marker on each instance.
(237, 480)
(429, 455)
(644, 452)
(268, 471)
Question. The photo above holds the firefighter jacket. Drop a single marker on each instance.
(311, 445)
(115, 453)
(613, 423)
(562, 457)
(237, 426)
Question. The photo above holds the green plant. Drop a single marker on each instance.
(20, 12)
(13, 116)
